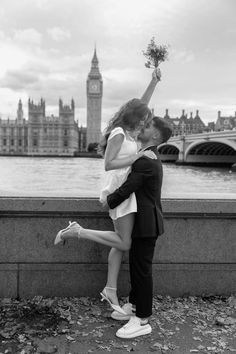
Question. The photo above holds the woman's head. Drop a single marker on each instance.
(132, 114)
(130, 117)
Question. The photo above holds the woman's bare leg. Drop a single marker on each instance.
(119, 240)
(109, 238)
(123, 226)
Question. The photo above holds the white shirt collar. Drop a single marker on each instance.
(147, 147)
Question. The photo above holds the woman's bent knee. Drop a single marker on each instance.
(126, 246)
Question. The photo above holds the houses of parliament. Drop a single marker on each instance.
(60, 135)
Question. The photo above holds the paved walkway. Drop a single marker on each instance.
(83, 325)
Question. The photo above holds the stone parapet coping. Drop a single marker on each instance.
(90, 205)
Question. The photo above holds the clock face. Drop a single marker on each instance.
(94, 87)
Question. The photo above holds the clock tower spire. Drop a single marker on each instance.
(94, 101)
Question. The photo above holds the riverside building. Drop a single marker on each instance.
(225, 122)
(184, 124)
(41, 135)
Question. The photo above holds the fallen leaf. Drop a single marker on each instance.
(197, 338)
(70, 338)
(225, 321)
(201, 347)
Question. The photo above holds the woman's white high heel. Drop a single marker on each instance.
(105, 297)
(60, 233)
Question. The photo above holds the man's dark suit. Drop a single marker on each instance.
(145, 180)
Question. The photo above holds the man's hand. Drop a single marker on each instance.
(150, 154)
(105, 205)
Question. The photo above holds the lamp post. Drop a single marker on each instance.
(183, 129)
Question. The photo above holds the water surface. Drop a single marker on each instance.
(83, 177)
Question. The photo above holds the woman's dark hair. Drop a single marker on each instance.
(128, 117)
(163, 127)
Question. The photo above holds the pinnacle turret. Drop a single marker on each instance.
(20, 111)
(66, 109)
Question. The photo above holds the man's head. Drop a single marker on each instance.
(156, 131)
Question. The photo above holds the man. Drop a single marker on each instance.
(145, 180)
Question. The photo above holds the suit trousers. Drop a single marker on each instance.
(140, 262)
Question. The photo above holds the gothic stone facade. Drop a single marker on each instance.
(14, 135)
(41, 135)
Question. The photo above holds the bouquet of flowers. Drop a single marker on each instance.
(155, 54)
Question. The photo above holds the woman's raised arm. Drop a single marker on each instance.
(156, 77)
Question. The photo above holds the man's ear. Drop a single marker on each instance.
(157, 135)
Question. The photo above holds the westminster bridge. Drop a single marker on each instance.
(210, 147)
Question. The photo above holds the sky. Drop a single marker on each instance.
(46, 48)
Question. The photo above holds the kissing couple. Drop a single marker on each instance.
(132, 192)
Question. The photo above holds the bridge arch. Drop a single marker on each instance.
(212, 151)
(168, 151)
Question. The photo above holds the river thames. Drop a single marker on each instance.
(83, 177)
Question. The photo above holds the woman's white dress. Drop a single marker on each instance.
(115, 178)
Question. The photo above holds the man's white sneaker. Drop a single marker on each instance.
(128, 308)
(134, 328)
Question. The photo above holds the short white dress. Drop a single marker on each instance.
(115, 178)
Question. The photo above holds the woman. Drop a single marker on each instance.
(120, 152)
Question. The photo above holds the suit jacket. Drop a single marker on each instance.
(145, 179)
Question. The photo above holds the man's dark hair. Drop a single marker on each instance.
(163, 127)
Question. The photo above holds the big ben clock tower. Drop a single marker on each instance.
(94, 102)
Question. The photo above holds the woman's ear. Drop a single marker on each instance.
(157, 135)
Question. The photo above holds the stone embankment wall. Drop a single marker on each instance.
(196, 255)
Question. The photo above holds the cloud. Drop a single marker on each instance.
(49, 45)
(28, 36)
(42, 4)
(186, 102)
(59, 34)
(181, 55)
(2, 13)
(231, 31)
(17, 80)
(2, 35)
(12, 56)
